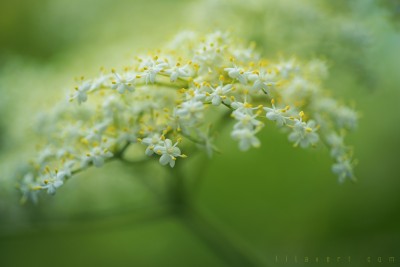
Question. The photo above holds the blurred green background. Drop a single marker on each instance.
(276, 201)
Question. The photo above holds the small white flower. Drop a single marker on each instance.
(81, 92)
(151, 68)
(52, 181)
(151, 142)
(263, 80)
(178, 71)
(344, 169)
(123, 82)
(168, 152)
(29, 188)
(277, 114)
(346, 117)
(218, 94)
(96, 133)
(66, 170)
(246, 120)
(246, 137)
(97, 156)
(52, 186)
(238, 74)
(190, 111)
(304, 134)
(243, 107)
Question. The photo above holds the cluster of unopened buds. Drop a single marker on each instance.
(167, 100)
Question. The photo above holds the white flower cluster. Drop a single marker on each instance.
(173, 96)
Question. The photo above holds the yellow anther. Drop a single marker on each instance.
(273, 101)
(113, 70)
(183, 156)
(247, 105)
(46, 181)
(301, 114)
(308, 129)
(221, 78)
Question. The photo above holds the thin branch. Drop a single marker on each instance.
(223, 247)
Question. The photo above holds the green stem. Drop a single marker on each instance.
(220, 244)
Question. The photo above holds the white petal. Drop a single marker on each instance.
(164, 159)
(58, 183)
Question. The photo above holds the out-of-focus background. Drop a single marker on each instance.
(276, 200)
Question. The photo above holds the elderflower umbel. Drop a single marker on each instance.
(178, 95)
